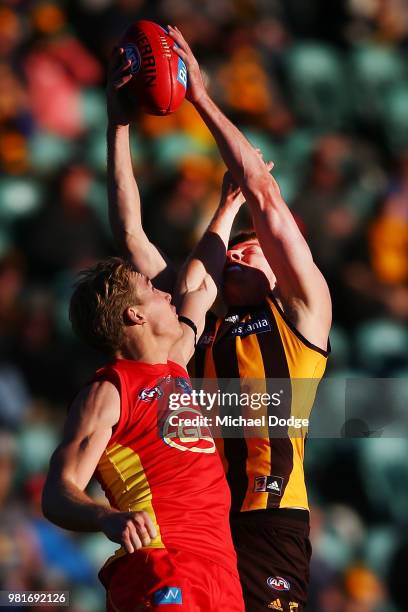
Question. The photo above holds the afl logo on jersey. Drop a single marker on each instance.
(184, 429)
(277, 583)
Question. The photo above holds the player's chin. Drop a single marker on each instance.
(241, 292)
(235, 293)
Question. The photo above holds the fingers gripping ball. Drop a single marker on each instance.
(159, 75)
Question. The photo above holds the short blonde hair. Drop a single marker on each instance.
(101, 295)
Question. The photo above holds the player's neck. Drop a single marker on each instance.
(148, 350)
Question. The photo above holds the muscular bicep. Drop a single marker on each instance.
(86, 434)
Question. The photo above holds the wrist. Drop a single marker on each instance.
(115, 125)
(102, 513)
(230, 205)
(201, 101)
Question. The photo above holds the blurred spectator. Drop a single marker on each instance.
(378, 271)
(76, 234)
(20, 560)
(58, 548)
(11, 286)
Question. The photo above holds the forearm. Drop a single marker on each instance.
(125, 212)
(207, 260)
(123, 193)
(245, 164)
(70, 508)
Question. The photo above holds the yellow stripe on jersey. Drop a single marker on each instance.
(122, 476)
(306, 368)
(210, 373)
(252, 380)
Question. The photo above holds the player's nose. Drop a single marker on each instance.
(235, 255)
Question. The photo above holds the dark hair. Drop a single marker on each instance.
(102, 294)
(243, 236)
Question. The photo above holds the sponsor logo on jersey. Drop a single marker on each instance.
(276, 605)
(256, 325)
(268, 484)
(195, 438)
(293, 606)
(277, 583)
(168, 595)
(132, 54)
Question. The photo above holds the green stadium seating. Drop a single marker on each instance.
(317, 83)
(19, 197)
(395, 117)
(49, 152)
(379, 547)
(374, 69)
(381, 343)
(383, 465)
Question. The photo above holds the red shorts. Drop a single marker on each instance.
(148, 579)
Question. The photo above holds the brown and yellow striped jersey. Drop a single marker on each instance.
(258, 344)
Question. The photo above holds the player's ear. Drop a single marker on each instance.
(133, 316)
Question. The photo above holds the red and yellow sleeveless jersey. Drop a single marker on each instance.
(148, 466)
(254, 344)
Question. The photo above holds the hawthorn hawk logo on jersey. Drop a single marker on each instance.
(186, 430)
(277, 583)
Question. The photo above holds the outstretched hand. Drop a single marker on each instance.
(119, 74)
(195, 85)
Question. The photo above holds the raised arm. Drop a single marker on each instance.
(301, 286)
(86, 435)
(123, 193)
(200, 276)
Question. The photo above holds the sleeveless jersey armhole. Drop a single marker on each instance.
(111, 375)
(296, 332)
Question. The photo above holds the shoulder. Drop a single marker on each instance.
(99, 400)
(311, 328)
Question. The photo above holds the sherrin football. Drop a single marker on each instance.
(159, 75)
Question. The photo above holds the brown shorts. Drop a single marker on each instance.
(274, 551)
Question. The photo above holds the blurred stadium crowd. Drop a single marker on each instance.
(322, 88)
